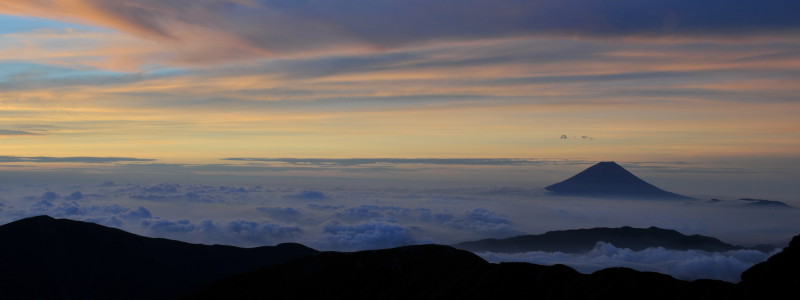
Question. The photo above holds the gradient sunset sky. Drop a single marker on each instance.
(364, 124)
(705, 87)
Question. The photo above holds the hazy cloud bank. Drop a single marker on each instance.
(253, 216)
(17, 132)
(77, 159)
(401, 161)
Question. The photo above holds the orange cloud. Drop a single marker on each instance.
(465, 96)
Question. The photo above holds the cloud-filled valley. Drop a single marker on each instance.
(685, 265)
(358, 218)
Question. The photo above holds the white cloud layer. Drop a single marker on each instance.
(685, 265)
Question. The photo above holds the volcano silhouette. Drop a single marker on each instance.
(608, 179)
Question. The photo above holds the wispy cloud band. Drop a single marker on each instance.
(76, 159)
(16, 132)
(397, 161)
(244, 28)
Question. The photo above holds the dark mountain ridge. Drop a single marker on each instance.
(608, 179)
(775, 278)
(440, 272)
(584, 240)
(45, 258)
(436, 272)
(765, 203)
(48, 258)
(754, 203)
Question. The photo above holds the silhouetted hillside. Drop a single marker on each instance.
(584, 240)
(608, 179)
(777, 277)
(48, 258)
(442, 272)
(45, 258)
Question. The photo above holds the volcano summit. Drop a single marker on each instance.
(608, 179)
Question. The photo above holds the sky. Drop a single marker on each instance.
(382, 102)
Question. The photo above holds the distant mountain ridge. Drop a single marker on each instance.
(46, 258)
(765, 203)
(609, 179)
(584, 240)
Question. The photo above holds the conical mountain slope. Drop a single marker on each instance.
(608, 179)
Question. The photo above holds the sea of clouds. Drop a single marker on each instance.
(346, 218)
(681, 264)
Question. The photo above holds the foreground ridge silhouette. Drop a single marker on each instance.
(46, 258)
(608, 179)
(442, 272)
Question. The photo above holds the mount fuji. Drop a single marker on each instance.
(609, 179)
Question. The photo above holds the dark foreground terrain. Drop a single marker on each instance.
(45, 258)
(441, 272)
(437, 272)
